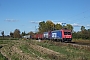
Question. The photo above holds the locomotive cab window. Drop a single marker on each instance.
(67, 33)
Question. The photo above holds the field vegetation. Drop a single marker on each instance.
(23, 49)
(69, 51)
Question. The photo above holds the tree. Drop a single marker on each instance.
(2, 33)
(11, 34)
(82, 28)
(70, 27)
(83, 32)
(58, 27)
(42, 27)
(75, 35)
(46, 26)
(88, 33)
(31, 33)
(88, 30)
(23, 33)
(50, 25)
(17, 33)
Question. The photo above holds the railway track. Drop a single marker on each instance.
(79, 45)
(73, 42)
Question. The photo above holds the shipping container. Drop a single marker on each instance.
(38, 36)
(26, 36)
(45, 35)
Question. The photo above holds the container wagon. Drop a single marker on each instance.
(37, 36)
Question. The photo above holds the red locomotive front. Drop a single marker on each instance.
(66, 35)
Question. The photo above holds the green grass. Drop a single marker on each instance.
(70, 52)
(34, 53)
(15, 57)
(9, 38)
(4, 41)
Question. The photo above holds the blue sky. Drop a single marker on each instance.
(26, 14)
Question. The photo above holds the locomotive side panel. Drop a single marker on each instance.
(57, 34)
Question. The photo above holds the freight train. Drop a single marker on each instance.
(56, 35)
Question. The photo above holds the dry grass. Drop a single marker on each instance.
(81, 41)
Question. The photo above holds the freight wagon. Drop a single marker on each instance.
(26, 36)
(37, 36)
(47, 35)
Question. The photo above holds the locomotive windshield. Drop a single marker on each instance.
(67, 33)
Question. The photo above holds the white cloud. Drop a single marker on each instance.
(11, 20)
(36, 22)
(57, 22)
(88, 25)
(76, 25)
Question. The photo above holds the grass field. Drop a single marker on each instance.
(69, 51)
(44, 50)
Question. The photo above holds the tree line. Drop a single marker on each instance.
(83, 34)
(50, 26)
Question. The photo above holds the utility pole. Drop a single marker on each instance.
(63, 25)
(35, 29)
